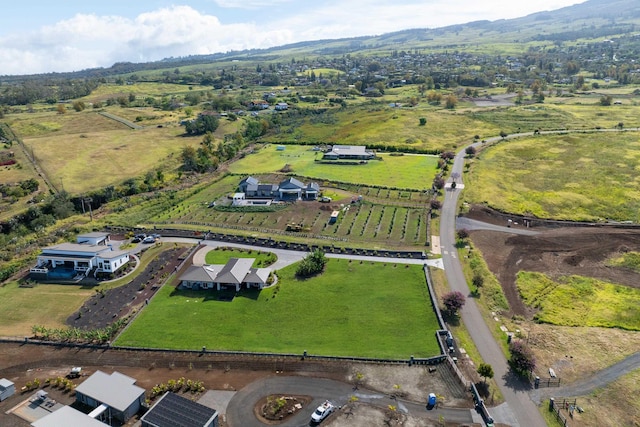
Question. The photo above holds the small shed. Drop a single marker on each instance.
(7, 389)
(334, 217)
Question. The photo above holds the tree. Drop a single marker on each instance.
(503, 134)
(485, 370)
(522, 360)
(477, 280)
(463, 234)
(453, 301)
(189, 158)
(435, 204)
(450, 102)
(470, 151)
(606, 100)
(423, 121)
(438, 183)
(312, 264)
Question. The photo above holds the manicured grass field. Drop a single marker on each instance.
(580, 301)
(342, 312)
(48, 305)
(587, 177)
(408, 171)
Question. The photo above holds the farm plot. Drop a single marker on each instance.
(381, 224)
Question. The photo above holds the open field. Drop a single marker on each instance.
(590, 177)
(48, 305)
(621, 394)
(389, 318)
(373, 122)
(414, 172)
(580, 301)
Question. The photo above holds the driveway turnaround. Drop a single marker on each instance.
(240, 409)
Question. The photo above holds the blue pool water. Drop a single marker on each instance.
(62, 273)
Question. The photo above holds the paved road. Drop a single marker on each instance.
(287, 257)
(521, 411)
(472, 224)
(593, 382)
(240, 414)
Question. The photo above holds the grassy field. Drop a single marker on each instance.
(48, 305)
(580, 301)
(375, 122)
(409, 171)
(588, 177)
(629, 260)
(390, 317)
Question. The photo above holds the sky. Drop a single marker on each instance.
(41, 36)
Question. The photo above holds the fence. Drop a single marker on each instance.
(557, 406)
(546, 382)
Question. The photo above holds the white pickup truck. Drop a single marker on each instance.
(323, 411)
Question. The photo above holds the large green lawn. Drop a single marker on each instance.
(342, 312)
(409, 171)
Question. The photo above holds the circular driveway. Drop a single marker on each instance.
(240, 409)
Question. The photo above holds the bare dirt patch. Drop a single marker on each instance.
(556, 252)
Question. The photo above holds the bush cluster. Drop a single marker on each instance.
(312, 264)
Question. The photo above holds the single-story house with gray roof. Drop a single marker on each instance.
(235, 274)
(290, 188)
(115, 394)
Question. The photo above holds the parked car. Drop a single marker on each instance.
(149, 239)
(322, 411)
(75, 372)
(431, 403)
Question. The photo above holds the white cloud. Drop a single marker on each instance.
(249, 4)
(88, 41)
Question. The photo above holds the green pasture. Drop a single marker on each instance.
(378, 123)
(106, 91)
(48, 305)
(409, 171)
(578, 176)
(580, 301)
(342, 312)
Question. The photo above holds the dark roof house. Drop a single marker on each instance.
(172, 410)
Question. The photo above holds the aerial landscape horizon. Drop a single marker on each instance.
(274, 212)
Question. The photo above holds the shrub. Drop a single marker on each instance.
(522, 360)
(453, 301)
(312, 264)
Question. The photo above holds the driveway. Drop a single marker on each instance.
(240, 413)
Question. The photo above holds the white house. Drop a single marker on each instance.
(349, 152)
(65, 417)
(7, 389)
(69, 260)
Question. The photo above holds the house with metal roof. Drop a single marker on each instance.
(7, 389)
(115, 395)
(349, 152)
(235, 274)
(172, 410)
(65, 417)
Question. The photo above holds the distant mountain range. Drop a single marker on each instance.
(591, 20)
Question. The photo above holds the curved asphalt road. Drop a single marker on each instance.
(240, 408)
(521, 411)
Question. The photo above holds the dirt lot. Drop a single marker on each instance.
(25, 362)
(554, 251)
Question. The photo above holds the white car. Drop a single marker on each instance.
(323, 411)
